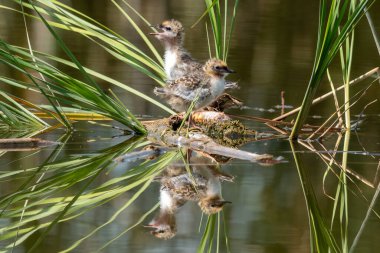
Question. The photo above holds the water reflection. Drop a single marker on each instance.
(198, 181)
(268, 213)
(134, 175)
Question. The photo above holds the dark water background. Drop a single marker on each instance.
(272, 50)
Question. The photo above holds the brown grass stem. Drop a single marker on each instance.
(325, 96)
(326, 158)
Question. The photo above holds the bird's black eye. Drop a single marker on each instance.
(161, 231)
(213, 205)
(218, 67)
(168, 28)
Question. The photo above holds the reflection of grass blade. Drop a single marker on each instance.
(67, 207)
(208, 234)
(63, 173)
(346, 54)
(114, 216)
(129, 228)
(148, 173)
(366, 218)
(213, 224)
(226, 232)
(43, 204)
(51, 157)
(26, 184)
(321, 237)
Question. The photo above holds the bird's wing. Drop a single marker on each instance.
(185, 82)
(183, 186)
(189, 87)
(190, 63)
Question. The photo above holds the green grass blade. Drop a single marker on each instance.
(141, 33)
(208, 234)
(327, 48)
(20, 115)
(109, 80)
(74, 92)
(65, 120)
(232, 26)
(17, 63)
(204, 13)
(69, 19)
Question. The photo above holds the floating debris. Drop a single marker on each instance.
(225, 101)
(159, 131)
(150, 152)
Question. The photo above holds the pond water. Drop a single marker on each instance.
(272, 50)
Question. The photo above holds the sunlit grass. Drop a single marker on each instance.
(62, 190)
(333, 29)
(69, 91)
(64, 17)
(212, 234)
(222, 24)
(15, 117)
(90, 96)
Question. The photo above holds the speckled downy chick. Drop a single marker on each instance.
(177, 61)
(164, 225)
(203, 185)
(204, 89)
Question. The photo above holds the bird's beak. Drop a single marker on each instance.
(228, 70)
(223, 202)
(149, 226)
(152, 228)
(157, 27)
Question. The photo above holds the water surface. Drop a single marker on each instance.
(272, 49)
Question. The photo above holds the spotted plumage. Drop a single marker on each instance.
(186, 186)
(180, 93)
(177, 60)
(202, 185)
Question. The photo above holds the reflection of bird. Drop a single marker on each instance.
(202, 185)
(181, 92)
(164, 223)
(177, 61)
